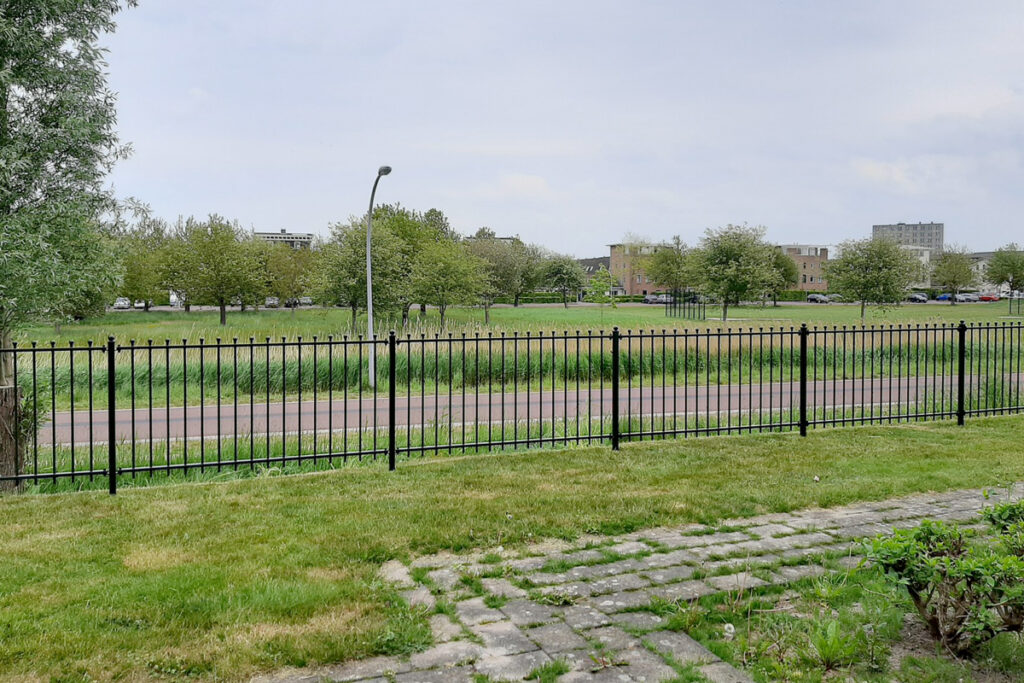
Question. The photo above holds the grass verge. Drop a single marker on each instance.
(220, 580)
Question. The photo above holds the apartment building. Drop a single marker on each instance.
(810, 263)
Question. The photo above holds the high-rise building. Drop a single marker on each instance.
(927, 235)
(295, 240)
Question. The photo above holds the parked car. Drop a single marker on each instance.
(918, 298)
(944, 297)
(962, 298)
(305, 301)
(651, 299)
(836, 298)
(271, 302)
(990, 296)
(122, 303)
(817, 299)
(972, 297)
(665, 299)
(140, 304)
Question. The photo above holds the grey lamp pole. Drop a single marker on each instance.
(382, 171)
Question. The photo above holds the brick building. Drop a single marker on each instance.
(810, 264)
(625, 265)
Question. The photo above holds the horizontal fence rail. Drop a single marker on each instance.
(100, 415)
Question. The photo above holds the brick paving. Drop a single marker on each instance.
(588, 605)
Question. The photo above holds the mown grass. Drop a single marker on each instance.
(219, 580)
(176, 325)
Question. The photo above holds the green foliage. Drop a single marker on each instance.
(1004, 515)
(830, 647)
(966, 594)
(873, 271)
(785, 274)
(1007, 267)
(953, 271)
(672, 266)
(445, 274)
(734, 264)
(601, 287)
(549, 673)
(564, 275)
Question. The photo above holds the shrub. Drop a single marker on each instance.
(1004, 515)
(966, 594)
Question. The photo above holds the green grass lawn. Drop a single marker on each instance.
(222, 579)
(178, 325)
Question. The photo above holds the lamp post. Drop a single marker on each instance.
(382, 171)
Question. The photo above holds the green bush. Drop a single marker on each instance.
(965, 593)
(1004, 515)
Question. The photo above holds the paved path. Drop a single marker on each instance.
(591, 612)
(732, 401)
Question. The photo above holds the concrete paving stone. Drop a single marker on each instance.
(614, 584)
(849, 562)
(770, 530)
(617, 602)
(575, 589)
(628, 548)
(790, 574)
(511, 667)
(685, 590)
(860, 531)
(812, 551)
(366, 668)
(716, 538)
(419, 597)
(502, 638)
(443, 628)
(669, 559)
(748, 548)
(583, 660)
(502, 588)
(546, 579)
(445, 654)
(526, 612)
(397, 573)
(645, 621)
(805, 523)
(474, 611)
(444, 559)
(735, 582)
(797, 541)
(720, 672)
(670, 574)
(681, 647)
(597, 571)
(445, 579)
(580, 556)
(737, 563)
(527, 564)
(458, 674)
(644, 665)
(581, 617)
(557, 637)
(613, 638)
(719, 550)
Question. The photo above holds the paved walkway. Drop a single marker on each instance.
(587, 605)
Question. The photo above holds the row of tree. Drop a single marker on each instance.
(416, 257)
(736, 263)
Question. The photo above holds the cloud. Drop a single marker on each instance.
(517, 186)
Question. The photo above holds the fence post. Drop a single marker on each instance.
(961, 372)
(392, 372)
(804, 333)
(111, 411)
(615, 389)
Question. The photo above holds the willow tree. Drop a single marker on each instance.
(57, 143)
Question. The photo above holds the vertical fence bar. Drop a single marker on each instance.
(961, 361)
(392, 372)
(615, 388)
(111, 423)
(804, 332)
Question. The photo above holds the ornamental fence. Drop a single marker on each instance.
(115, 414)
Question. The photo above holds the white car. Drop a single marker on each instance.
(123, 303)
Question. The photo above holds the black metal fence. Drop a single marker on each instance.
(1016, 306)
(104, 415)
(686, 305)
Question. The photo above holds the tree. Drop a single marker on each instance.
(785, 275)
(735, 263)
(1007, 268)
(142, 246)
(221, 262)
(493, 255)
(287, 272)
(57, 142)
(564, 275)
(954, 270)
(873, 271)
(179, 269)
(602, 289)
(445, 274)
(523, 271)
(671, 266)
(414, 232)
(339, 269)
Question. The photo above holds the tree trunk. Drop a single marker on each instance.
(442, 309)
(12, 451)
(188, 307)
(56, 327)
(863, 309)
(725, 310)
(223, 313)
(423, 310)
(487, 314)
(145, 306)
(405, 316)
(354, 311)
(6, 359)
(565, 299)
(515, 301)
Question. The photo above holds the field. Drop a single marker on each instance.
(224, 579)
(307, 323)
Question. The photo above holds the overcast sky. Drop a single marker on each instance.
(574, 123)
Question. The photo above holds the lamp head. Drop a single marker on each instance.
(383, 170)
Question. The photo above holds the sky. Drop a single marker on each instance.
(575, 123)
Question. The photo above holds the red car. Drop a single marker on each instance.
(989, 297)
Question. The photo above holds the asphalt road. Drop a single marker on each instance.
(413, 411)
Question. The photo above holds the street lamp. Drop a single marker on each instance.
(382, 171)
